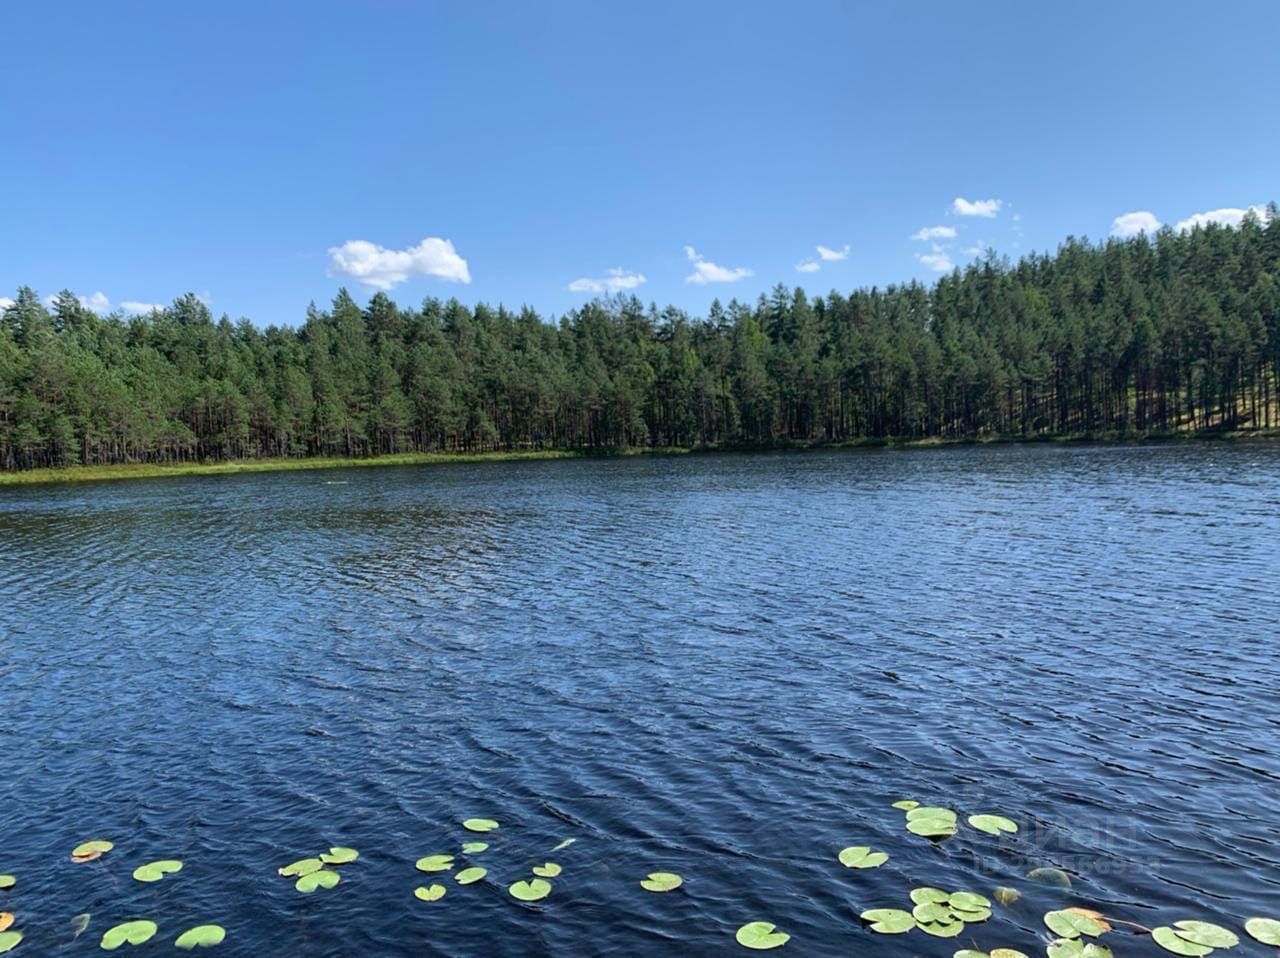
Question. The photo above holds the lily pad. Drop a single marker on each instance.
(1006, 953)
(761, 936)
(474, 848)
(861, 856)
(970, 953)
(662, 882)
(971, 916)
(992, 824)
(931, 911)
(906, 804)
(1207, 934)
(930, 811)
(88, 848)
(1265, 930)
(1070, 924)
(432, 893)
(564, 844)
(1168, 939)
(549, 870)
(927, 895)
(321, 879)
(932, 827)
(339, 856)
(131, 932)
(434, 863)
(201, 936)
(469, 875)
(968, 901)
(889, 921)
(534, 890)
(942, 929)
(9, 940)
(1050, 876)
(305, 866)
(157, 870)
(1075, 948)
(1005, 895)
(7, 881)
(479, 824)
(91, 857)
(6, 920)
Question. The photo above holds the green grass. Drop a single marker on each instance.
(144, 470)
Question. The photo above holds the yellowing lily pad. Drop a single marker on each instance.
(157, 870)
(89, 848)
(761, 936)
(662, 882)
(6, 920)
(315, 880)
(432, 893)
(1006, 895)
(479, 824)
(201, 936)
(130, 932)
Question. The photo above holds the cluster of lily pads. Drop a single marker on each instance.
(320, 871)
(931, 821)
(935, 912)
(444, 863)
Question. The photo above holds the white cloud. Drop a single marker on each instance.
(133, 306)
(617, 279)
(98, 302)
(829, 255)
(384, 268)
(5, 302)
(979, 248)
(934, 232)
(1133, 224)
(984, 208)
(939, 262)
(1224, 217)
(705, 271)
(809, 266)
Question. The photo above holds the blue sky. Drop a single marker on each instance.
(263, 154)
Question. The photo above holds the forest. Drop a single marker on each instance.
(1174, 333)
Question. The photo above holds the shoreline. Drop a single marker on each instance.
(145, 470)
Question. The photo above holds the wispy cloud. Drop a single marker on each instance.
(984, 208)
(809, 266)
(979, 248)
(934, 232)
(5, 302)
(829, 255)
(133, 306)
(1134, 224)
(704, 271)
(1230, 216)
(385, 269)
(617, 280)
(939, 262)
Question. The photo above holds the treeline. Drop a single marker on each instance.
(1180, 331)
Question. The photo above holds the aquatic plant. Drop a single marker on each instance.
(479, 824)
(302, 867)
(201, 936)
(992, 824)
(1047, 875)
(339, 856)
(1067, 923)
(469, 875)
(861, 856)
(434, 863)
(1206, 934)
(564, 844)
(1265, 930)
(906, 804)
(1006, 895)
(90, 851)
(761, 936)
(130, 932)
(534, 890)
(662, 882)
(931, 821)
(6, 920)
(7, 881)
(1075, 948)
(324, 878)
(474, 848)
(9, 940)
(889, 921)
(549, 870)
(429, 893)
(157, 870)
(993, 953)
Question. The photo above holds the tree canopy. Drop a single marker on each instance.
(1176, 332)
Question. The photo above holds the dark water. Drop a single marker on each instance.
(723, 666)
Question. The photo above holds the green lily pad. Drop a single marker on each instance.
(132, 932)
(931, 911)
(968, 901)
(90, 848)
(932, 827)
(534, 890)
(321, 879)
(927, 896)
(201, 936)
(469, 875)
(549, 870)
(474, 848)
(339, 856)
(1075, 948)
(7, 881)
(434, 863)
(1265, 930)
(861, 856)
(970, 953)
(930, 811)
(662, 882)
(564, 844)
(479, 824)
(906, 804)
(1168, 939)
(1006, 953)
(1006, 895)
(157, 870)
(761, 936)
(1207, 934)
(1070, 924)
(305, 866)
(941, 929)
(889, 921)
(431, 893)
(992, 824)
(971, 917)
(1050, 876)
(9, 940)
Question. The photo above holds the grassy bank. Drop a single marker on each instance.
(143, 470)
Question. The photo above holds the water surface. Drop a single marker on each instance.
(727, 667)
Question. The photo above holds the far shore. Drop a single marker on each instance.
(156, 470)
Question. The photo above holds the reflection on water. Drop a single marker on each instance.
(726, 667)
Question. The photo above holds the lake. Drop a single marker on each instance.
(726, 666)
